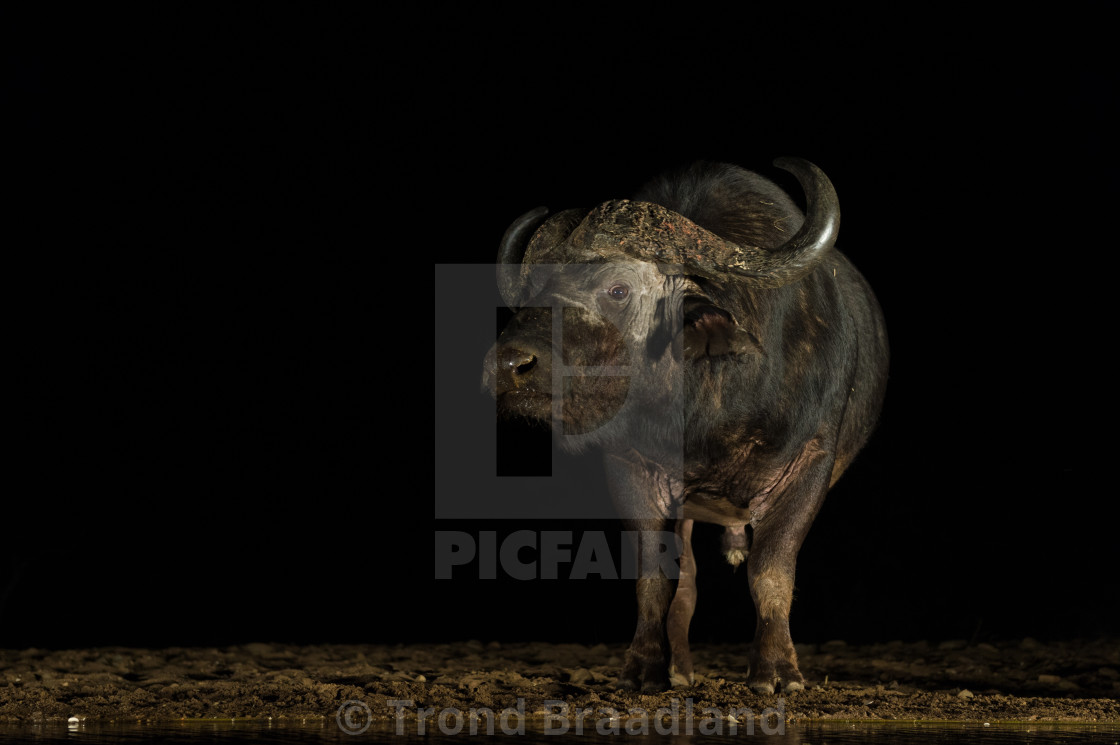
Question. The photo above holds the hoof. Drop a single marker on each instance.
(655, 684)
(766, 688)
(765, 679)
(680, 680)
(649, 675)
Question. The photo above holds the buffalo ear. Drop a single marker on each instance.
(710, 331)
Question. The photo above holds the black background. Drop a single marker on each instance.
(226, 335)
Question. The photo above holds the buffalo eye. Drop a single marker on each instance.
(618, 291)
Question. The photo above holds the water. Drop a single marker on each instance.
(833, 733)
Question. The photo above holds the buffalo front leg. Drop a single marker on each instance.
(645, 665)
(681, 609)
(771, 566)
(648, 497)
(773, 658)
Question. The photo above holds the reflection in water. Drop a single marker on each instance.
(327, 730)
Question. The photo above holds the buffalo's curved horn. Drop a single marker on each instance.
(510, 252)
(654, 233)
(514, 252)
(798, 256)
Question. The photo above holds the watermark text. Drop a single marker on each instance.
(679, 717)
(553, 554)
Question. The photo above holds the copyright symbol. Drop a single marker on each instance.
(354, 717)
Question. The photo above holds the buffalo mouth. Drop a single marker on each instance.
(587, 403)
(522, 404)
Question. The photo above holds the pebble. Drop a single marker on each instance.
(579, 675)
(965, 693)
(259, 649)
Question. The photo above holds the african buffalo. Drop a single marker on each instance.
(726, 360)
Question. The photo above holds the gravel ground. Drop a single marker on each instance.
(1021, 681)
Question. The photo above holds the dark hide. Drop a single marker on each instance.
(723, 378)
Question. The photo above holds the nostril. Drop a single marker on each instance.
(518, 362)
(527, 363)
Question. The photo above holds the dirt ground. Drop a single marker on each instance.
(1022, 681)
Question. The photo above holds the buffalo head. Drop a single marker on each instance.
(611, 300)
